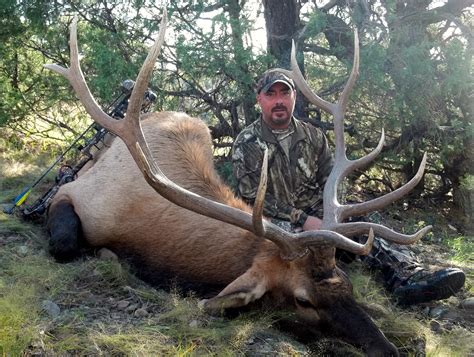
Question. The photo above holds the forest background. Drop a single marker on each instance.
(415, 80)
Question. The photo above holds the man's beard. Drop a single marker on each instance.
(280, 115)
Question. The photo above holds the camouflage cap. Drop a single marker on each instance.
(271, 77)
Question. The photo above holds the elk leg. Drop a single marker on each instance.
(247, 288)
(64, 228)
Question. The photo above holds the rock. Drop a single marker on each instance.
(12, 239)
(22, 250)
(116, 316)
(468, 303)
(195, 324)
(454, 229)
(107, 254)
(438, 312)
(376, 310)
(51, 308)
(141, 312)
(448, 326)
(43, 253)
(435, 326)
(132, 308)
(123, 304)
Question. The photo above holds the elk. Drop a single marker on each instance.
(198, 232)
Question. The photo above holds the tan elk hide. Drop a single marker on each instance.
(155, 197)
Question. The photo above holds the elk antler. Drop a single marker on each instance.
(129, 130)
(334, 212)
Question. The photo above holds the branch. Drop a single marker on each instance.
(446, 12)
(331, 4)
(310, 47)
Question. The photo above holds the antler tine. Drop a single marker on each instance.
(335, 239)
(76, 78)
(380, 202)
(355, 228)
(365, 160)
(354, 74)
(303, 86)
(143, 78)
(257, 214)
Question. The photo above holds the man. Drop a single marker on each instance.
(299, 163)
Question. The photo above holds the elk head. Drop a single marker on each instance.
(296, 268)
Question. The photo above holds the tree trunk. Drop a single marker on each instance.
(282, 24)
(244, 78)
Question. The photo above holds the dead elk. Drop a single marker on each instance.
(196, 230)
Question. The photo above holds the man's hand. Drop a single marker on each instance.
(312, 224)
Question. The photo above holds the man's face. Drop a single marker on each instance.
(277, 105)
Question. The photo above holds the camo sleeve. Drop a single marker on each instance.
(325, 157)
(247, 160)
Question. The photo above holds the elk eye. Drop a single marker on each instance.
(304, 303)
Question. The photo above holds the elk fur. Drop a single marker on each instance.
(119, 210)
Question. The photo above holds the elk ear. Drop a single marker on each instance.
(248, 287)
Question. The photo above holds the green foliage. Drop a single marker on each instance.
(412, 75)
(316, 24)
(467, 182)
(225, 170)
(463, 249)
(104, 61)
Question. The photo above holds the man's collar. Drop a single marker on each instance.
(269, 137)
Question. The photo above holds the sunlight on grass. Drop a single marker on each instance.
(14, 225)
(455, 343)
(366, 288)
(129, 343)
(463, 249)
(15, 168)
(17, 318)
(462, 255)
(242, 334)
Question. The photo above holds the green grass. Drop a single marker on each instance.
(462, 248)
(18, 317)
(455, 343)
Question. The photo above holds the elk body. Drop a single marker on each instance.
(195, 230)
(117, 209)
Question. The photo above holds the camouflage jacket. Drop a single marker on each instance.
(295, 183)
